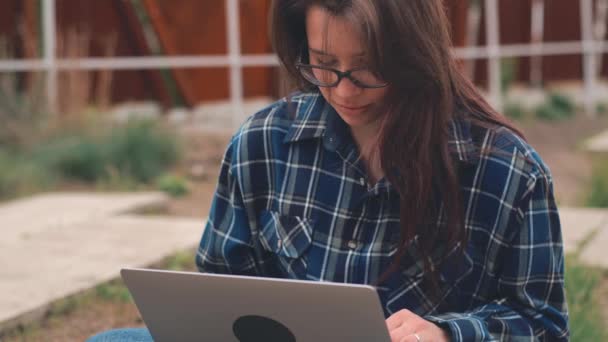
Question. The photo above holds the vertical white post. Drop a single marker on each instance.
(599, 32)
(589, 74)
(49, 30)
(537, 32)
(473, 21)
(493, 41)
(236, 65)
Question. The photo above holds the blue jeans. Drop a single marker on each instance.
(123, 335)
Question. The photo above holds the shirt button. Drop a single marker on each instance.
(352, 244)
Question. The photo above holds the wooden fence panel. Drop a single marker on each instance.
(199, 27)
(110, 29)
(187, 27)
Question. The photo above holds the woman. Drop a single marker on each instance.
(390, 169)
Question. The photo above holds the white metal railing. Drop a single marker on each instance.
(235, 60)
(49, 30)
(589, 58)
(493, 51)
(148, 62)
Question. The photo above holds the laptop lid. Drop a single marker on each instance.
(187, 306)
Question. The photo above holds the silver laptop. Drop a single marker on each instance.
(186, 306)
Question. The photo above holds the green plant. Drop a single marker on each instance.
(584, 310)
(77, 157)
(557, 107)
(65, 306)
(121, 157)
(115, 181)
(601, 108)
(562, 103)
(142, 150)
(548, 112)
(508, 72)
(22, 106)
(23, 114)
(514, 111)
(598, 195)
(20, 175)
(173, 185)
(137, 152)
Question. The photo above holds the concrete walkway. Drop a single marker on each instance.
(57, 245)
(580, 228)
(594, 251)
(598, 143)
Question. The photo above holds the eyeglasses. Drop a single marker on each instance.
(329, 77)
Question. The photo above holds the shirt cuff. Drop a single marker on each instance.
(462, 327)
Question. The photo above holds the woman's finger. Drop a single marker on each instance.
(398, 333)
(393, 322)
(412, 338)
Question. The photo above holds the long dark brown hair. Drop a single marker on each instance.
(408, 44)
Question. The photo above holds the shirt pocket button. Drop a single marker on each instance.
(352, 244)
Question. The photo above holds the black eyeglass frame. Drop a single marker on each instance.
(340, 74)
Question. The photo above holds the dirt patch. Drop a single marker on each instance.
(204, 153)
(79, 324)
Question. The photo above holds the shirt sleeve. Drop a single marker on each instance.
(226, 245)
(531, 302)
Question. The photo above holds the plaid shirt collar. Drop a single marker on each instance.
(315, 118)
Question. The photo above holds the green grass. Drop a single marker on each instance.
(115, 291)
(598, 192)
(586, 322)
(180, 261)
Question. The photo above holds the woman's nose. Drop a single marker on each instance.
(346, 88)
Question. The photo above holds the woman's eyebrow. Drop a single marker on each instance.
(323, 53)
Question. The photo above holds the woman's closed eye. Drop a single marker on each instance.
(334, 64)
(325, 62)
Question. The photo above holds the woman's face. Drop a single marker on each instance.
(335, 43)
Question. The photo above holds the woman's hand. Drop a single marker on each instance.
(405, 326)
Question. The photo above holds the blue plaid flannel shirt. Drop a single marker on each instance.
(293, 201)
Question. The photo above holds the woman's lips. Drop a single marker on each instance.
(352, 108)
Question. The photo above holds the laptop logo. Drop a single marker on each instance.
(261, 329)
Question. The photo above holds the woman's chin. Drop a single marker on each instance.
(355, 119)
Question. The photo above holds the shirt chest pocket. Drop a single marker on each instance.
(412, 294)
(288, 238)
